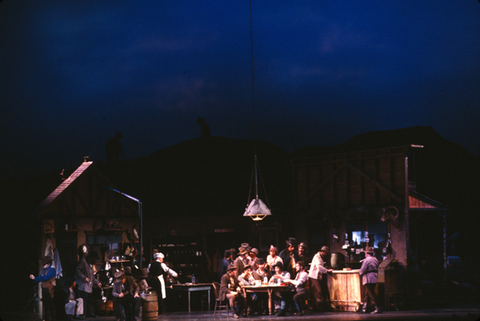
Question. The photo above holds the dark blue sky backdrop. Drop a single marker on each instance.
(75, 72)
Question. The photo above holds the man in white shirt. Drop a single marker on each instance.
(300, 293)
(318, 278)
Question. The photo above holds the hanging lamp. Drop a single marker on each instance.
(257, 210)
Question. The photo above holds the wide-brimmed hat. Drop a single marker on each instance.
(260, 261)
(244, 246)
(291, 241)
(46, 260)
(247, 267)
(369, 250)
(325, 249)
(242, 251)
(302, 244)
(273, 248)
(118, 275)
(231, 267)
(254, 250)
(279, 264)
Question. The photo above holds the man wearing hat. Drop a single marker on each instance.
(299, 294)
(85, 278)
(289, 256)
(318, 278)
(253, 258)
(230, 289)
(241, 260)
(125, 291)
(247, 278)
(302, 254)
(280, 274)
(273, 258)
(47, 279)
(158, 273)
(368, 271)
(279, 277)
(262, 274)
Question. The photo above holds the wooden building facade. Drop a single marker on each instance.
(351, 199)
(83, 210)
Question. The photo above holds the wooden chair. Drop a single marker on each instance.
(219, 304)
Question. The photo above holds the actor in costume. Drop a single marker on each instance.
(247, 278)
(85, 279)
(225, 262)
(278, 278)
(318, 278)
(158, 276)
(289, 256)
(302, 254)
(74, 305)
(230, 289)
(273, 258)
(368, 271)
(48, 282)
(125, 292)
(241, 261)
(300, 293)
(253, 258)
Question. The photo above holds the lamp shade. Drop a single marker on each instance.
(257, 210)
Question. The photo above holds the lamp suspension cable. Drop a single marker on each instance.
(256, 210)
(253, 103)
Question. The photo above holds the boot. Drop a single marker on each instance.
(364, 307)
(377, 310)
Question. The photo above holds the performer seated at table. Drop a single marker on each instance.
(273, 258)
(278, 278)
(247, 278)
(125, 292)
(230, 289)
(262, 274)
(298, 293)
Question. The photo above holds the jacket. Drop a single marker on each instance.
(369, 270)
(317, 268)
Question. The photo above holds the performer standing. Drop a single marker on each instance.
(289, 256)
(318, 278)
(158, 274)
(85, 278)
(368, 272)
(47, 279)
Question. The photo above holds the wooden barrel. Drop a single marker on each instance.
(149, 307)
(337, 261)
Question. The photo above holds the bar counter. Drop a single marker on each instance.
(345, 288)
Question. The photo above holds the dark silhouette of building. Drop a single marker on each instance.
(114, 150)
(204, 127)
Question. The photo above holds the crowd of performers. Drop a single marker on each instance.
(75, 299)
(304, 276)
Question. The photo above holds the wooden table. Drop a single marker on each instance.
(193, 288)
(345, 289)
(263, 289)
